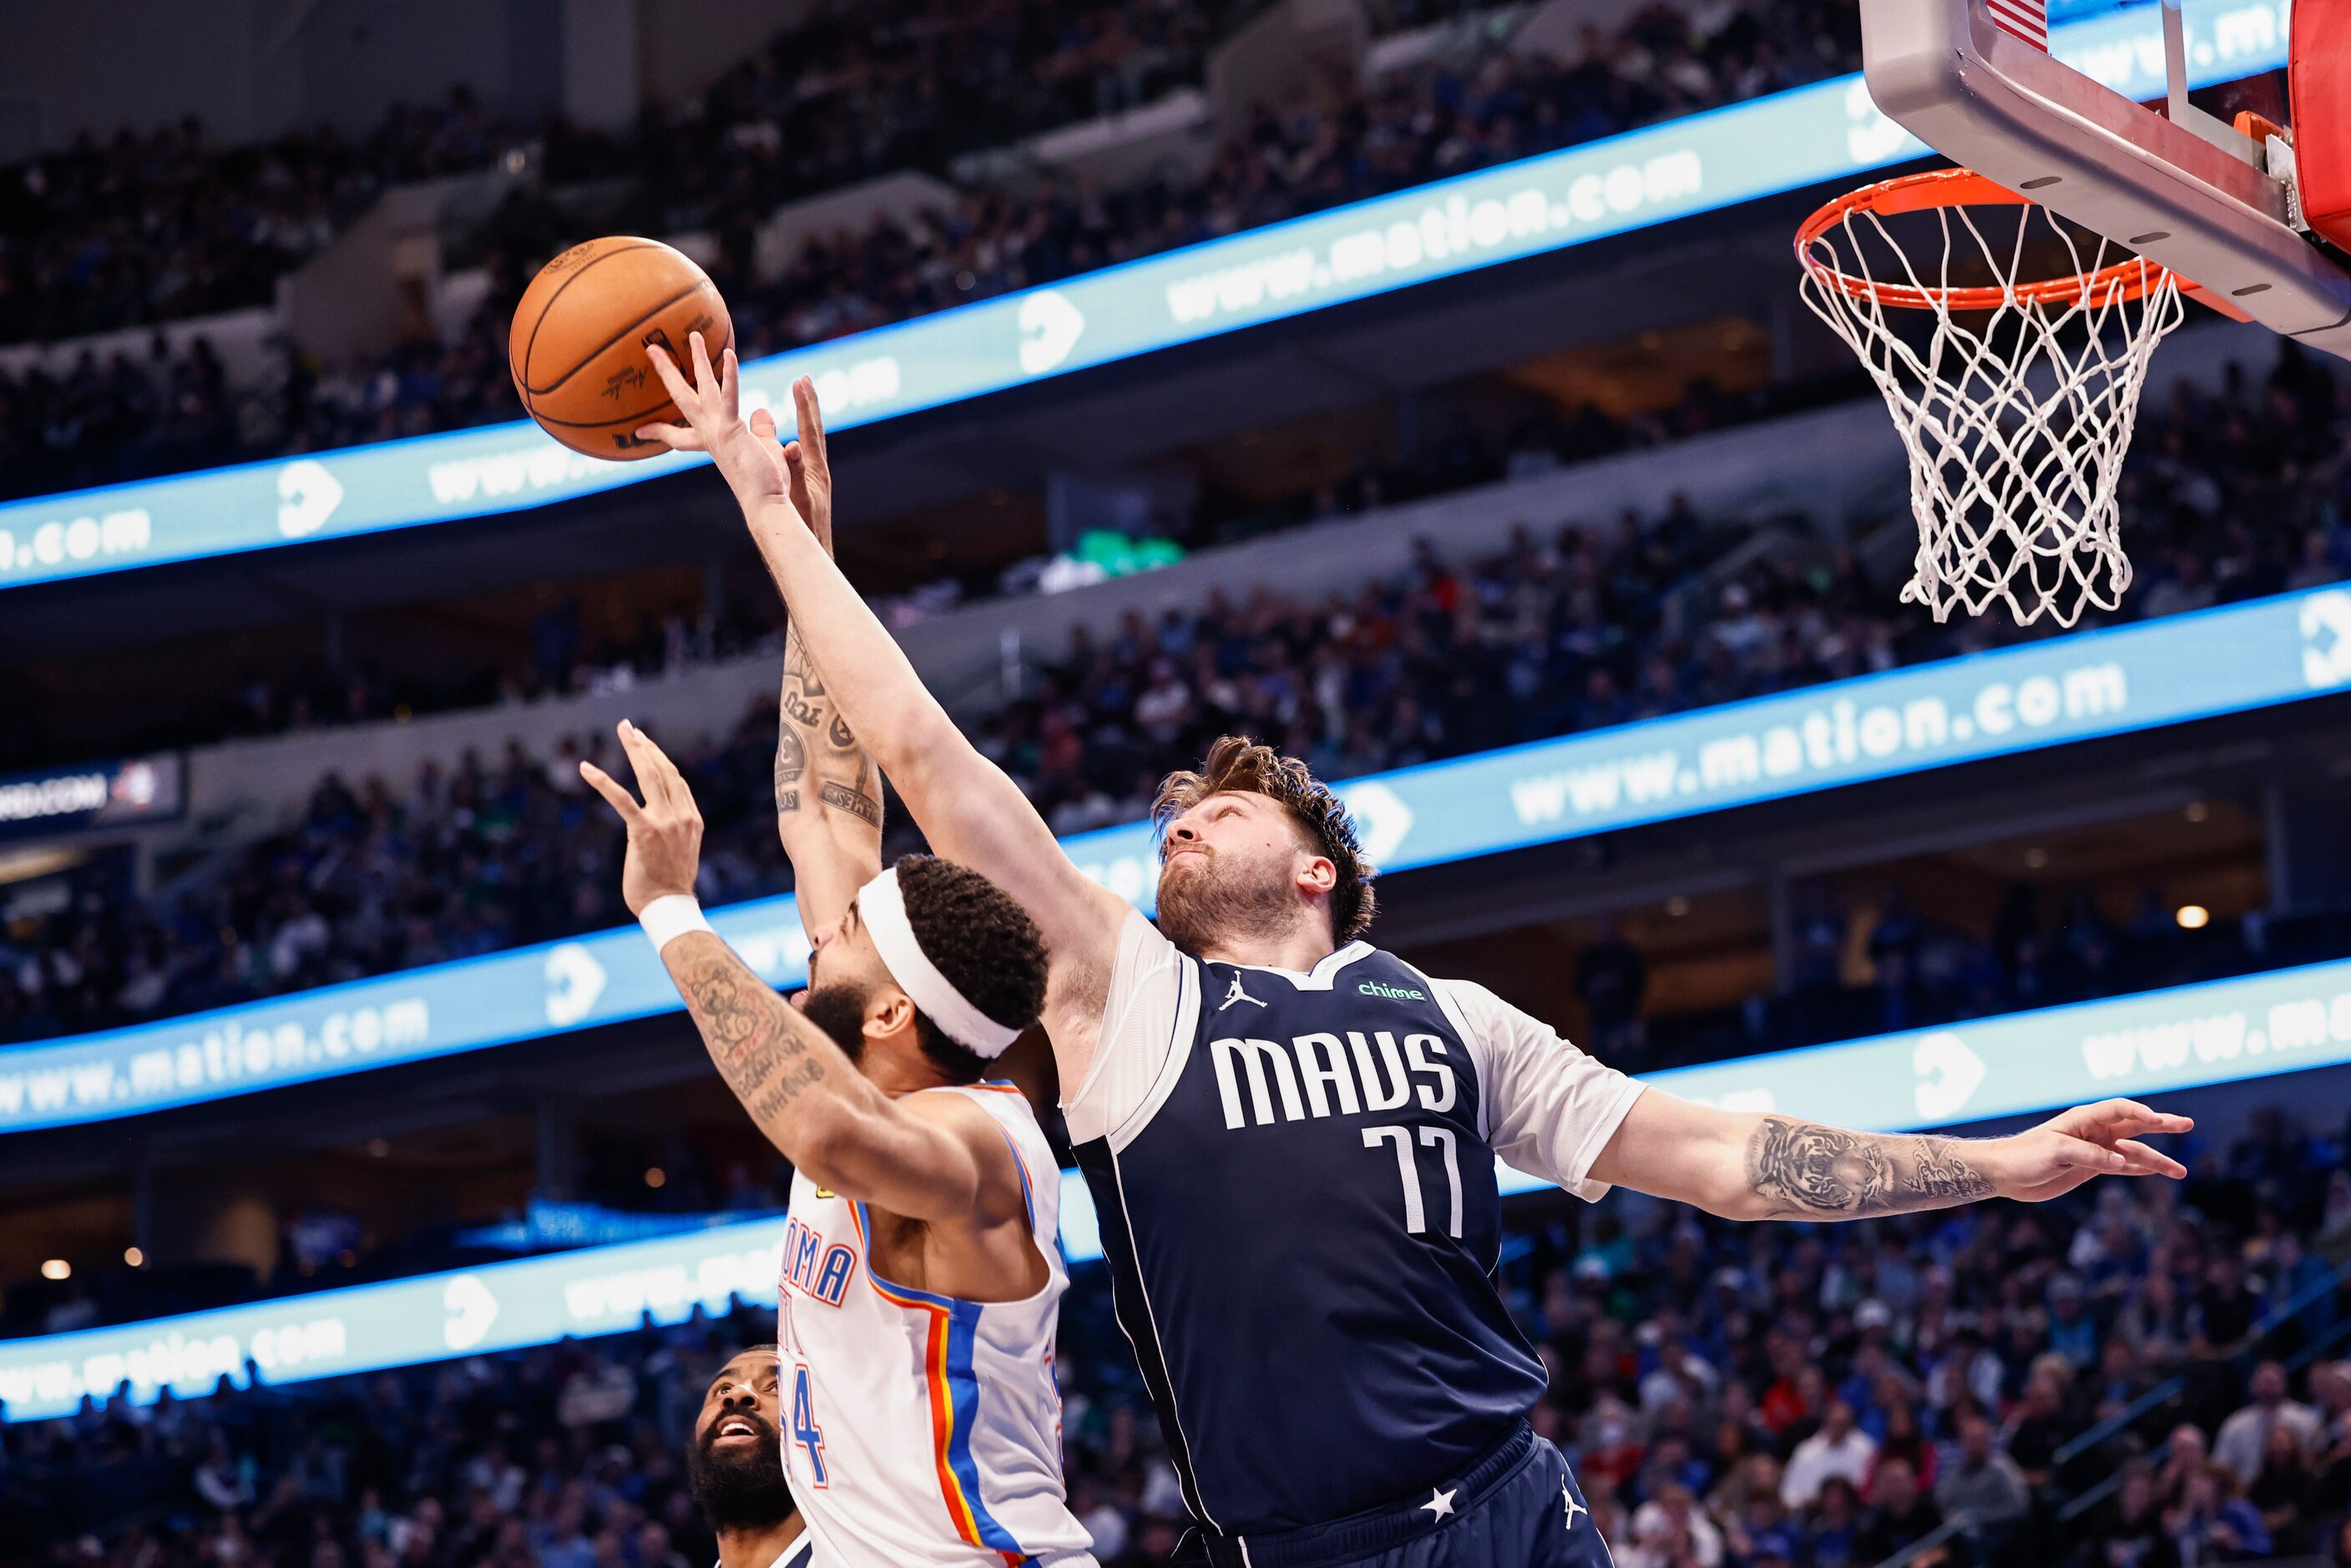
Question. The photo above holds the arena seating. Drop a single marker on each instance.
(930, 81)
(485, 853)
(2138, 1365)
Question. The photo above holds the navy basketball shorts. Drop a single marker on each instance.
(1518, 1506)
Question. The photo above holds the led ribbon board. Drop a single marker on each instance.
(1933, 715)
(2140, 1046)
(1826, 132)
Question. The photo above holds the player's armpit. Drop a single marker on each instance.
(933, 1157)
(1000, 1193)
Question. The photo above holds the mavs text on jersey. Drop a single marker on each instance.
(1295, 1176)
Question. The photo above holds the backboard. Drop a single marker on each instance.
(1974, 80)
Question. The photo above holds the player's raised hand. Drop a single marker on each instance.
(2088, 1141)
(811, 488)
(746, 452)
(665, 833)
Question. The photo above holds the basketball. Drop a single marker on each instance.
(577, 348)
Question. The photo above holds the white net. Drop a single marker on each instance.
(2014, 399)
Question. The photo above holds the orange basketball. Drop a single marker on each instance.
(577, 345)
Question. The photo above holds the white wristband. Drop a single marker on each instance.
(671, 916)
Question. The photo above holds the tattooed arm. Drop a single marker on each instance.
(828, 789)
(933, 1157)
(971, 812)
(1745, 1165)
(827, 795)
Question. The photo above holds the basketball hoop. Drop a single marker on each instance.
(2016, 399)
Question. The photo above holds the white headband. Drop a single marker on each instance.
(882, 906)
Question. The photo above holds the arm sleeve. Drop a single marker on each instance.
(1147, 981)
(1550, 1109)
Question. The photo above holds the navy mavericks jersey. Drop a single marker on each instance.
(1298, 1202)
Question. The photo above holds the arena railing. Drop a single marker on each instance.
(2173, 1389)
(1941, 1536)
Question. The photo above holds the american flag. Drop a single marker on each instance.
(2025, 19)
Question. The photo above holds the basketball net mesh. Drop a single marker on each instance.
(2016, 410)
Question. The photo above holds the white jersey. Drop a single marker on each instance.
(920, 1429)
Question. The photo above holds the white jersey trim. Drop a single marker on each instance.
(1179, 1053)
(1321, 977)
(1137, 1034)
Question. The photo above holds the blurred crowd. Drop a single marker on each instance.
(925, 81)
(2138, 1375)
(2231, 496)
(2234, 495)
(140, 228)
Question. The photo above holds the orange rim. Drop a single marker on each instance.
(2117, 284)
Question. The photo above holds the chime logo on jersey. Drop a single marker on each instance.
(812, 1267)
(1321, 1075)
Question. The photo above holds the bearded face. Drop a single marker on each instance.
(1211, 894)
(838, 1009)
(735, 1465)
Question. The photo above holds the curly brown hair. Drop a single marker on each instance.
(985, 946)
(1240, 764)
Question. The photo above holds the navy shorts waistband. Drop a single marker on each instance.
(1377, 1529)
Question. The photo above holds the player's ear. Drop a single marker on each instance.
(1316, 873)
(888, 1011)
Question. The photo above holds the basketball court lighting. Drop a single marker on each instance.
(2193, 916)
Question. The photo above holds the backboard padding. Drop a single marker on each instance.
(2320, 80)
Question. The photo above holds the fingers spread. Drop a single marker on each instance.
(729, 378)
(673, 786)
(604, 784)
(812, 416)
(2142, 1118)
(705, 381)
(672, 379)
(645, 758)
(2147, 1161)
(683, 437)
(2082, 1152)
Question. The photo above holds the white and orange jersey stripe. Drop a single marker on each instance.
(920, 1428)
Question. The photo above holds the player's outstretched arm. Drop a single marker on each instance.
(827, 796)
(1744, 1166)
(828, 789)
(970, 812)
(920, 1157)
